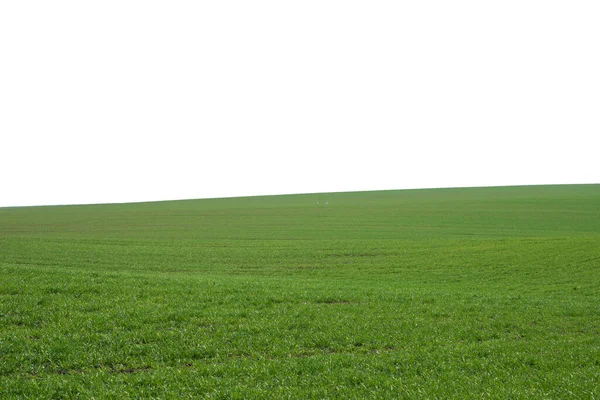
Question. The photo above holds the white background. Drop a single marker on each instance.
(112, 101)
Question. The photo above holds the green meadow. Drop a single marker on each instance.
(437, 293)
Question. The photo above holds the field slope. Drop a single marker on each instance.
(446, 293)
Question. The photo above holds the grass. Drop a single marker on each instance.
(446, 293)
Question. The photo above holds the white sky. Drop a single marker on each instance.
(119, 100)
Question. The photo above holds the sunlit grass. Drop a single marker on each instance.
(489, 292)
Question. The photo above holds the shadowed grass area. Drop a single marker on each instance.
(476, 292)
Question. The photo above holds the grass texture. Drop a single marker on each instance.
(439, 293)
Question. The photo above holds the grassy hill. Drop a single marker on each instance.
(471, 292)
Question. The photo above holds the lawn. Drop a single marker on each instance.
(437, 293)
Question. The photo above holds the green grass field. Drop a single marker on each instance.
(445, 293)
